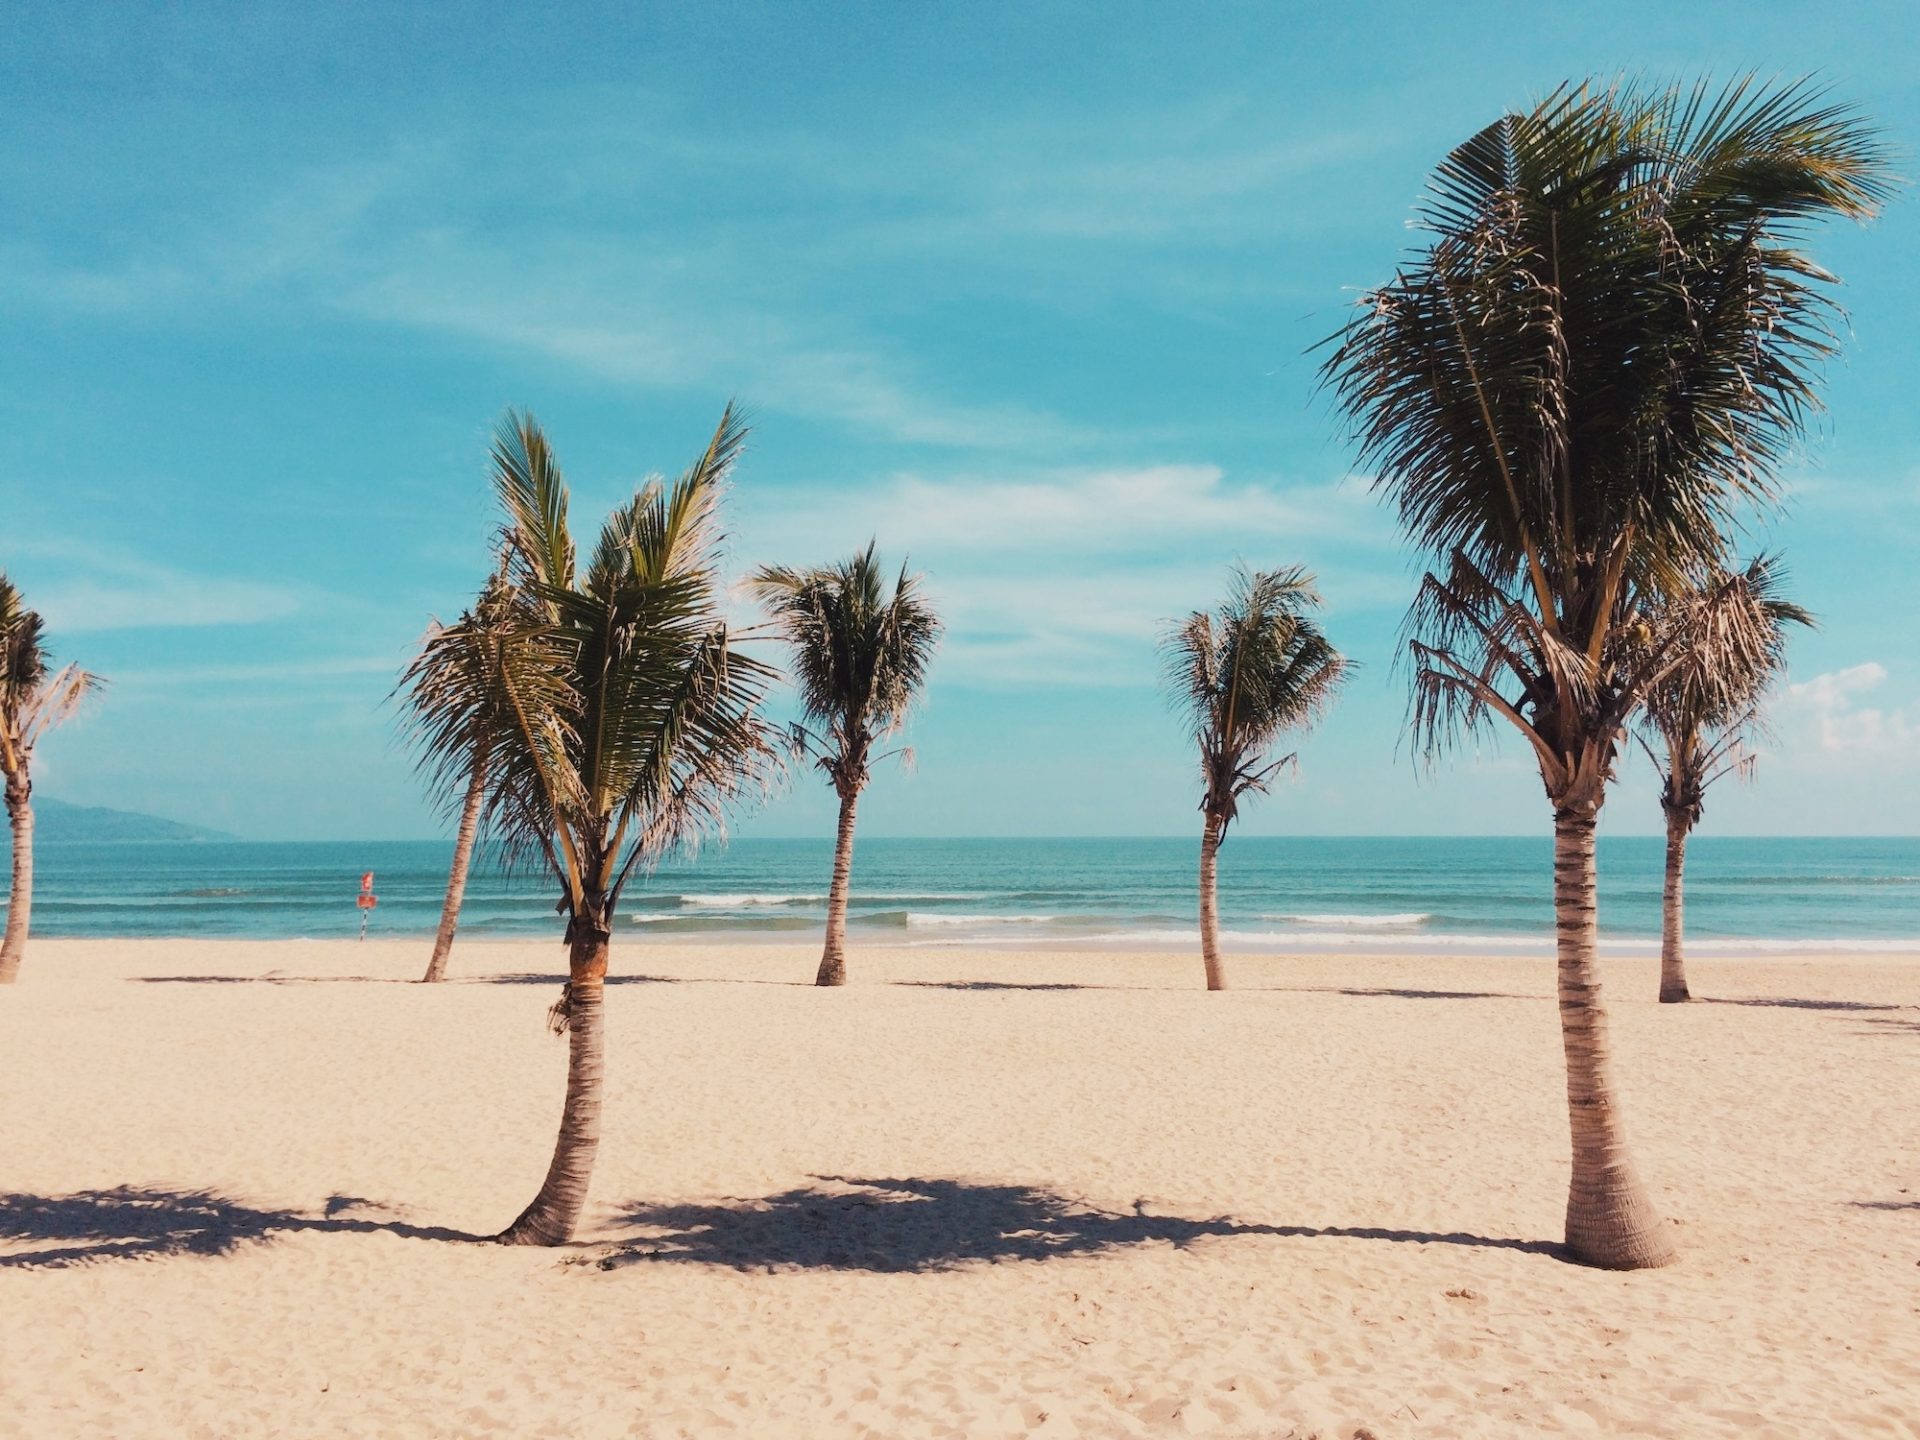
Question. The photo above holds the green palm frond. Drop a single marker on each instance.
(1244, 677)
(860, 652)
(533, 493)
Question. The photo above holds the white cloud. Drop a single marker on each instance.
(653, 322)
(1831, 703)
(1144, 545)
(1084, 510)
(1879, 494)
(101, 593)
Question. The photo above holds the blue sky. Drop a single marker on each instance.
(1026, 291)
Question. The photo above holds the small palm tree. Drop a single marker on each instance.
(458, 660)
(1259, 668)
(1572, 395)
(860, 657)
(1705, 712)
(32, 701)
(622, 723)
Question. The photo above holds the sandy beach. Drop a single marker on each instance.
(976, 1193)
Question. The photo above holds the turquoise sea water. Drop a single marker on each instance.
(1743, 895)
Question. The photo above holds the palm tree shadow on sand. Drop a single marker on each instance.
(134, 1223)
(891, 1226)
(516, 978)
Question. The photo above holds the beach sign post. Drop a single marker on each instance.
(366, 900)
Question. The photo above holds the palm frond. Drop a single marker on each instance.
(452, 690)
(533, 493)
(1712, 653)
(860, 652)
(1585, 380)
(1257, 669)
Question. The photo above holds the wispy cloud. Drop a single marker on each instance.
(660, 324)
(1893, 497)
(287, 673)
(1147, 544)
(97, 590)
(1831, 704)
(651, 254)
(1091, 510)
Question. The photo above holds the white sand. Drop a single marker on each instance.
(1120, 1208)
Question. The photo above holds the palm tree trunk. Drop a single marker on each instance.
(1611, 1221)
(833, 960)
(1673, 907)
(457, 876)
(20, 898)
(1209, 902)
(555, 1211)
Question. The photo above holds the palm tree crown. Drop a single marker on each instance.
(859, 654)
(623, 717)
(1573, 392)
(1707, 709)
(33, 697)
(453, 688)
(1246, 676)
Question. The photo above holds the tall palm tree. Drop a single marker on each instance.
(1571, 393)
(1705, 712)
(461, 659)
(860, 657)
(32, 701)
(1245, 677)
(630, 723)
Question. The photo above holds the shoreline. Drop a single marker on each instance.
(1744, 898)
(1438, 949)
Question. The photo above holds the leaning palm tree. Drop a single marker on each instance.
(32, 701)
(1704, 714)
(628, 722)
(860, 657)
(1572, 393)
(461, 659)
(1245, 677)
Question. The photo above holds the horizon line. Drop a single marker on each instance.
(1543, 833)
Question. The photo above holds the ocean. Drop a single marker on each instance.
(1399, 894)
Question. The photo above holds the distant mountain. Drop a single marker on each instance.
(55, 820)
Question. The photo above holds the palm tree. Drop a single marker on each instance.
(463, 658)
(627, 723)
(1571, 393)
(1705, 711)
(1246, 676)
(860, 658)
(32, 702)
